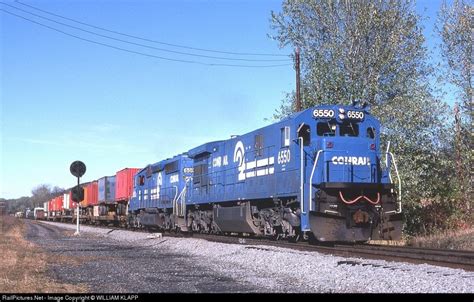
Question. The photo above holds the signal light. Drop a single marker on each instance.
(329, 145)
(77, 194)
(372, 146)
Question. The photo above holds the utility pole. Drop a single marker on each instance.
(297, 68)
(459, 167)
(457, 125)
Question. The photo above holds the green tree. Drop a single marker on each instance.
(374, 51)
(455, 26)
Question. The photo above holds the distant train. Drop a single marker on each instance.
(319, 173)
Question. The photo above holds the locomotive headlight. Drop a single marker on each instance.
(341, 116)
(341, 110)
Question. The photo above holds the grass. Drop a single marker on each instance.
(455, 240)
(23, 265)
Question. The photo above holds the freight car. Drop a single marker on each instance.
(105, 201)
(319, 173)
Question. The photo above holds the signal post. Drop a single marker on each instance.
(77, 168)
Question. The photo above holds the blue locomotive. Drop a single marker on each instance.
(319, 173)
(159, 193)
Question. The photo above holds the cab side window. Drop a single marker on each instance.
(305, 133)
(141, 180)
(285, 137)
(371, 132)
(259, 145)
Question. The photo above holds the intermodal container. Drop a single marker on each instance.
(85, 188)
(66, 201)
(124, 183)
(90, 194)
(106, 187)
(72, 204)
(54, 204)
(59, 203)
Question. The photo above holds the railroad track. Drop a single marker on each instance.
(439, 257)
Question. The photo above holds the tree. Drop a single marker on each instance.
(19, 204)
(373, 51)
(44, 193)
(455, 26)
(361, 50)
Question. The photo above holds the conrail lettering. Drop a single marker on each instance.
(351, 160)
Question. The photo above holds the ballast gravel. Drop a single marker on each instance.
(274, 269)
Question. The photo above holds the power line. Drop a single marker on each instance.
(141, 53)
(147, 46)
(153, 41)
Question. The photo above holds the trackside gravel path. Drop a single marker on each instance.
(113, 266)
(124, 261)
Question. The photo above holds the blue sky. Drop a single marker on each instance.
(63, 99)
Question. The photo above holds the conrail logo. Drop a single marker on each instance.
(351, 160)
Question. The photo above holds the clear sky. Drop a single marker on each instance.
(65, 99)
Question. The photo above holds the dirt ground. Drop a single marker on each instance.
(23, 265)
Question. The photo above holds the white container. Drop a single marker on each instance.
(96, 211)
(46, 206)
(66, 201)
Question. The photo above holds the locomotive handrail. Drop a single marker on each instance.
(301, 175)
(179, 208)
(174, 200)
(311, 181)
(399, 210)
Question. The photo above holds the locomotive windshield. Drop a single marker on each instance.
(349, 129)
(326, 129)
(345, 129)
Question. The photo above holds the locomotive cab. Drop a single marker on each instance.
(352, 196)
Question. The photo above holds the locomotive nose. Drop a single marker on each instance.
(358, 165)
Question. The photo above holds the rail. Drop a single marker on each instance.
(463, 259)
